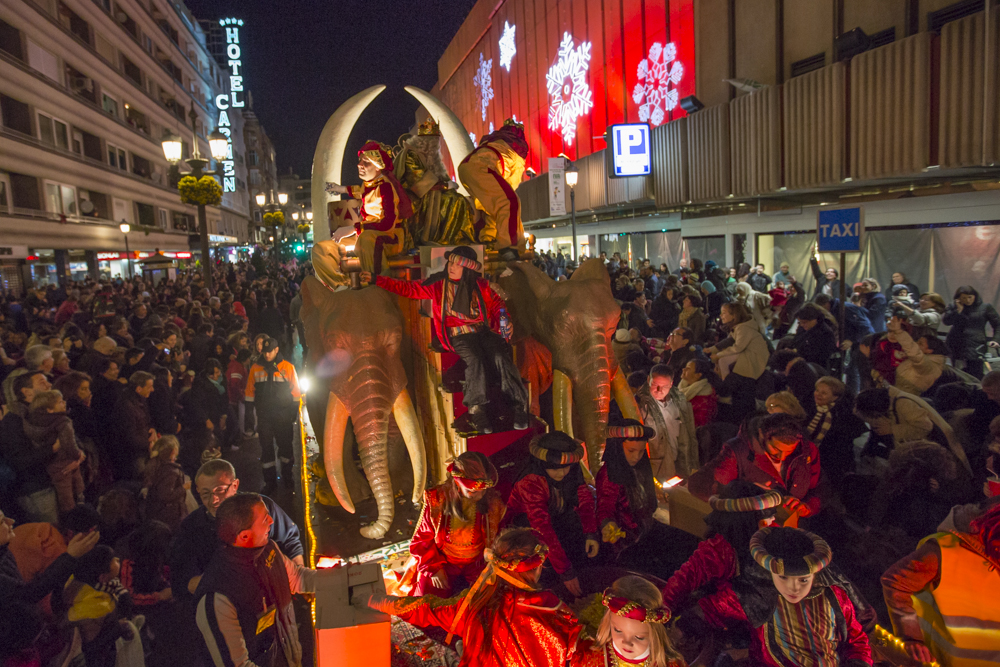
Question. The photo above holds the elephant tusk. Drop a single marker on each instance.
(333, 450)
(562, 402)
(409, 427)
(624, 396)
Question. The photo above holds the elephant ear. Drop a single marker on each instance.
(525, 286)
(592, 269)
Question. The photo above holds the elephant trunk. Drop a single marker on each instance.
(591, 379)
(370, 397)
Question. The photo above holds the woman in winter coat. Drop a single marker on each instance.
(665, 310)
(699, 384)
(873, 301)
(927, 313)
(833, 427)
(742, 359)
(757, 303)
(968, 318)
(924, 360)
(692, 317)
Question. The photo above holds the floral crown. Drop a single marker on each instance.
(520, 563)
(632, 432)
(626, 608)
(510, 122)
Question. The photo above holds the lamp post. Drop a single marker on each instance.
(265, 202)
(572, 174)
(125, 229)
(173, 150)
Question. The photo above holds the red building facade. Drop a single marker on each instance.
(576, 67)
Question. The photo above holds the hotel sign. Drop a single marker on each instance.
(234, 99)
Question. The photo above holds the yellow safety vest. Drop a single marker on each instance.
(960, 618)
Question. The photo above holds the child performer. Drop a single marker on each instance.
(626, 501)
(632, 631)
(459, 519)
(552, 497)
(503, 620)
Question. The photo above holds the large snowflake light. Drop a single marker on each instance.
(656, 92)
(569, 93)
(484, 82)
(507, 46)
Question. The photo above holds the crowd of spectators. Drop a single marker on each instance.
(122, 400)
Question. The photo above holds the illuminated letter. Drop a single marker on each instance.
(229, 184)
(236, 83)
(232, 35)
(223, 119)
(236, 101)
(233, 51)
(222, 101)
(235, 66)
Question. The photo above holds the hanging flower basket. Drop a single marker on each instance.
(204, 191)
(303, 229)
(275, 219)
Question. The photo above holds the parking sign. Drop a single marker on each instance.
(840, 229)
(631, 153)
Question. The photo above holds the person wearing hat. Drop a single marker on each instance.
(627, 500)
(273, 390)
(505, 619)
(552, 497)
(492, 173)
(459, 519)
(384, 207)
(470, 319)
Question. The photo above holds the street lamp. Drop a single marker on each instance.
(173, 151)
(295, 216)
(572, 175)
(125, 229)
(309, 216)
(262, 203)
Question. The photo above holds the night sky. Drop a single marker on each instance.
(303, 58)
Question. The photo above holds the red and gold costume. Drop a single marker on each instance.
(821, 630)
(530, 628)
(492, 173)
(945, 595)
(456, 546)
(384, 208)
(447, 324)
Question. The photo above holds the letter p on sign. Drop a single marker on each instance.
(840, 229)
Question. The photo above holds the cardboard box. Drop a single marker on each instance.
(350, 635)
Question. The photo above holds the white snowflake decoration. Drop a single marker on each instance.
(507, 46)
(491, 127)
(569, 93)
(484, 82)
(472, 135)
(656, 92)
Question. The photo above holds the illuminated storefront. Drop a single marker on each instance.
(568, 70)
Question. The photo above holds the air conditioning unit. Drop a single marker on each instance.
(121, 17)
(81, 83)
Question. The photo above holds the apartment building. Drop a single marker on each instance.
(88, 88)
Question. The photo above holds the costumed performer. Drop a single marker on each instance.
(504, 620)
(441, 215)
(742, 596)
(632, 631)
(552, 497)
(469, 319)
(492, 173)
(772, 452)
(943, 597)
(384, 207)
(626, 501)
(459, 519)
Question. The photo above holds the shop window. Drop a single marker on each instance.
(60, 198)
(10, 41)
(117, 157)
(110, 104)
(43, 61)
(15, 115)
(53, 131)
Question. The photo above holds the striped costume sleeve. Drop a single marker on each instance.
(220, 628)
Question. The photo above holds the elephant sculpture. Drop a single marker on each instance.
(576, 320)
(354, 338)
